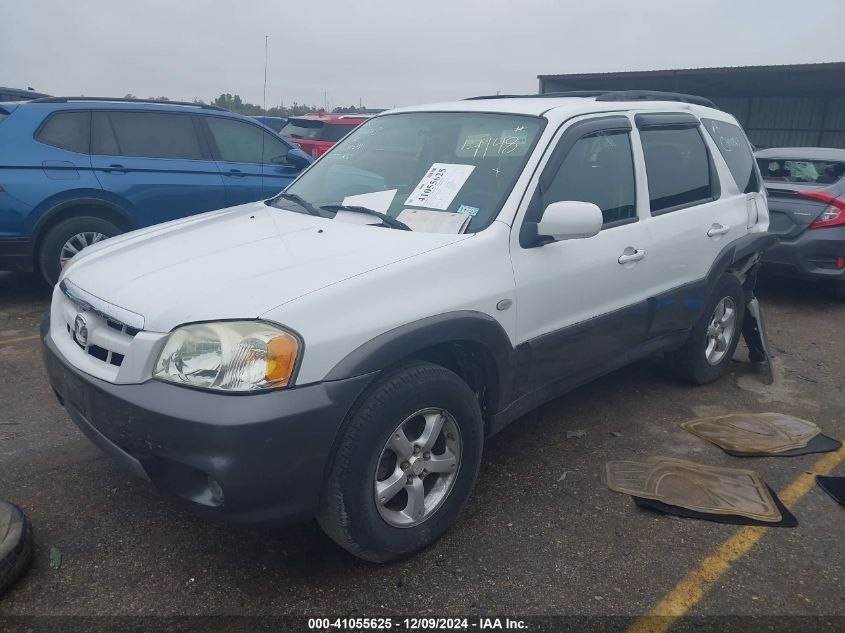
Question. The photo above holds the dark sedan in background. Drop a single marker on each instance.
(806, 187)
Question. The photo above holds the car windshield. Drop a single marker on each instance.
(438, 168)
(819, 172)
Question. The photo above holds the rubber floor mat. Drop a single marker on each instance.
(819, 444)
(754, 433)
(787, 518)
(834, 486)
(697, 487)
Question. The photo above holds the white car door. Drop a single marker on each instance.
(582, 302)
(693, 217)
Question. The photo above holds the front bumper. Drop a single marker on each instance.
(246, 458)
(812, 254)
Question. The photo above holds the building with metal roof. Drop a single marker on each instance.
(794, 105)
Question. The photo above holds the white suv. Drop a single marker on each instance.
(342, 350)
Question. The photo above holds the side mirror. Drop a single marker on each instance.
(570, 221)
(297, 158)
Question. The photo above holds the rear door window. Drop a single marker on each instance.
(336, 131)
(146, 135)
(67, 130)
(599, 169)
(793, 170)
(240, 142)
(303, 128)
(734, 148)
(678, 168)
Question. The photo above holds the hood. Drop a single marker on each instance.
(236, 263)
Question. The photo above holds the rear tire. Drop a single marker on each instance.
(706, 355)
(68, 236)
(384, 526)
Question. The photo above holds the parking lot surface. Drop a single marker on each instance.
(540, 535)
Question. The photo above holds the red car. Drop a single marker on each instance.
(315, 133)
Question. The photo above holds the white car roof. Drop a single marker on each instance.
(558, 107)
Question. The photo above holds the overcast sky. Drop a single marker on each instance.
(388, 52)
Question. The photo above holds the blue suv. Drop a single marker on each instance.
(74, 171)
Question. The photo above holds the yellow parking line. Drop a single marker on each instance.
(20, 339)
(698, 582)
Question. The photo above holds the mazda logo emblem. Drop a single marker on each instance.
(80, 330)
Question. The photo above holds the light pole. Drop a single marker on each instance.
(264, 100)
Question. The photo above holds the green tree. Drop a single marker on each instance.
(234, 103)
(352, 108)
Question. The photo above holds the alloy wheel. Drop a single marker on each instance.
(418, 467)
(721, 330)
(78, 242)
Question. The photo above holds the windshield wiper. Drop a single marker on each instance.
(302, 202)
(386, 219)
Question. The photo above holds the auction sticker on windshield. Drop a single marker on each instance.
(376, 200)
(439, 186)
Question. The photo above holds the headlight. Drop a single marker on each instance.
(229, 356)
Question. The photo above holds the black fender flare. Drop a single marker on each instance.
(737, 251)
(462, 326)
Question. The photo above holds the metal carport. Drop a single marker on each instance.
(789, 105)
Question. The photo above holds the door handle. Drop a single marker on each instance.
(115, 167)
(235, 173)
(717, 229)
(631, 255)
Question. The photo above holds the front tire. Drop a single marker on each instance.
(706, 355)
(66, 239)
(405, 465)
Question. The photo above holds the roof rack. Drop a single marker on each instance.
(126, 100)
(614, 95)
(571, 93)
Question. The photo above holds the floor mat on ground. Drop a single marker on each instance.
(787, 518)
(696, 487)
(819, 444)
(745, 434)
(834, 486)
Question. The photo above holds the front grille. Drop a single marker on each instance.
(120, 327)
(101, 353)
(103, 331)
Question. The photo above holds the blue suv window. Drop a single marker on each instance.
(146, 135)
(240, 142)
(66, 130)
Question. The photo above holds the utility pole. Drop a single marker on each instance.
(264, 101)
